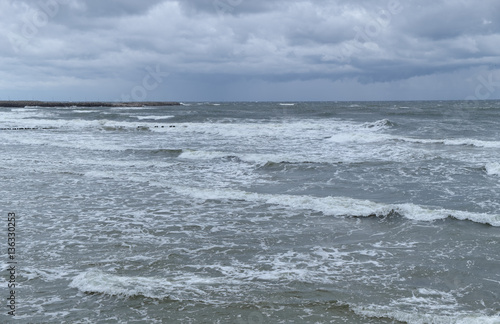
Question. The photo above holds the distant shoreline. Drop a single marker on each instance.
(34, 103)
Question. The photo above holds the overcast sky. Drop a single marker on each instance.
(249, 50)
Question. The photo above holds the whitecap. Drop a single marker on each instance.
(177, 287)
(153, 117)
(97, 281)
(379, 124)
(454, 142)
(493, 168)
(342, 206)
(80, 111)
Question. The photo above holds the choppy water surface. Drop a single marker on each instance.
(373, 212)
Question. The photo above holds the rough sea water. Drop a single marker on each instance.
(349, 212)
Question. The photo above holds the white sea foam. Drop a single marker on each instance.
(154, 117)
(361, 133)
(178, 288)
(80, 142)
(99, 282)
(342, 206)
(455, 142)
(493, 168)
(358, 137)
(73, 124)
(328, 141)
(304, 129)
(45, 274)
(250, 158)
(121, 164)
(21, 115)
(26, 108)
(84, 111)
(424, 317)
(202, 155)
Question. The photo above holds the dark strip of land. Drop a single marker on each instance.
(22, 104)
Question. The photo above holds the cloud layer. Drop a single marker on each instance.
(249, 50)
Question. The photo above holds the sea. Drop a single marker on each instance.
(252, 213)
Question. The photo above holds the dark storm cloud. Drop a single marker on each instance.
(109, 44)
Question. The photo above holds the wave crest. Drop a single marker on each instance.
(343, 206)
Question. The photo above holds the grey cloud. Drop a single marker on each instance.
(118, 7)
(442, 20)
(278, 41)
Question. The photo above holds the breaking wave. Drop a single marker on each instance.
(343, 206)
